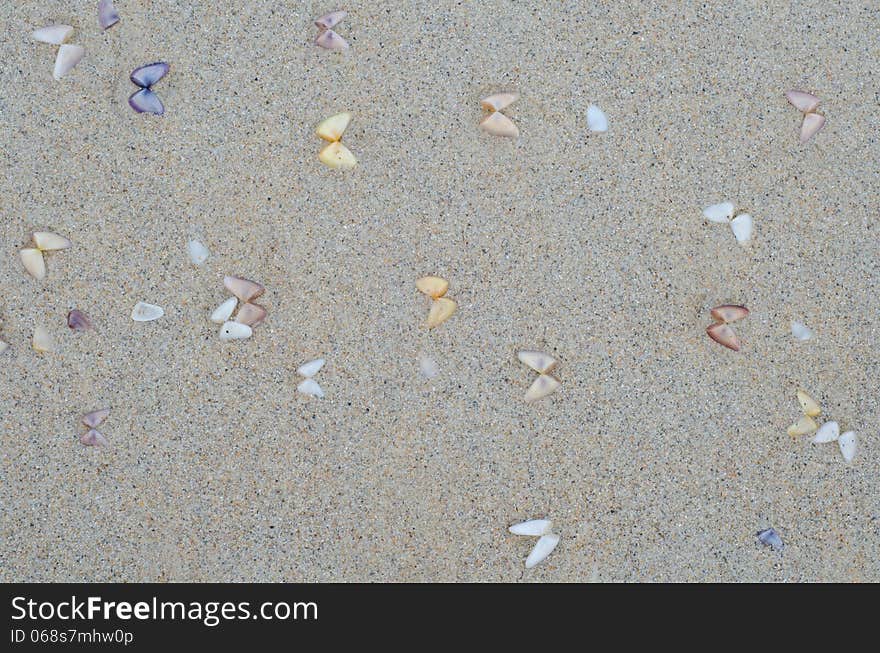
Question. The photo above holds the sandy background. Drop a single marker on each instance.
(662, 454)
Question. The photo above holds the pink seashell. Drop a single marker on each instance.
(244, 289)
(251, 314)
(330, 40)
(331, 20)
(78, 321)
(813, 122)
(94, 418)
(724, 335)
(729, 312)
(802, 101)
(93, 439)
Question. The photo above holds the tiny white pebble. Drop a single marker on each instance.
(722, 212)
(428, 367)
(597, 121)
(742, 227)
(223, 312)
(311, 387)
(848, 445)
(311, 368)
(235, 331)
(801, 331)
(143, 312)
(198, 253)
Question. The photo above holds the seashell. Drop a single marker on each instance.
(828, 432)
(33, 262)
(94, 418)
(722, 212)
(311, 387)
(499, 101)
(146, 76)
(729, 312)
(541, 363)
(771, 538)
(251, 314)
(68, 56)
(848, 445)
(3, 346)
(332, 128)
(46, 241)
(224, 311)
(93, 439)
(337, 156)
(146, 101)
(542, 549)
(107, 14)
(804, 426)
(331, 20)
(434, 287)
(723, 334)
(330, 40)
(813, 122)
(802, 101)
(235, 331)
(53, 34)
(742, 227)
(78, 321)
(244, 289)
(198, 253)
(311, 368)
(535, 527)
(42, 341)
(597, 121)
(143, 312)
(428, 367)
(442, 309)
(801, 331)
(809, 406)
(498, 124)
(541, 387)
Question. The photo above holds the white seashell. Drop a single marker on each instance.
(801, 331)
(311, 368)
(53, 34)
(802, 101)
(42, 341)
(542, 386)
(597, 121)
(428, 367)
(68, 57)
(499, 101)
(235, 331)
(848, 444)
(198, 253)
(828, 432)
(46, 241)
(224, 311)
(311, 387)
(33, 262)
(742, 227)
(534, 527)
(498, 124)
(722, 212)
(143, 312)
(539, 362)
(542, 549)
(812, 123)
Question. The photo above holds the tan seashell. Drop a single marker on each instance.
(42, 341)
(540, 362)
(498, 124)
(802, 101)
(33, 262)
(541, 387)
(244, 289)
(441, 310)
(46, 241)
(68, 56)
(337, 156)
(813, 122)
(251, 314)
(804, 426)
(332, 128)
(433, 286)
(499, 101)
(809, 406)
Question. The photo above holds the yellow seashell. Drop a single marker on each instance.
(441, 310)
(433, 286)
(808, 404)
(337, 156)
(332, 128)
(804, 426)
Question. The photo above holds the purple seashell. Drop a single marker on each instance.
(146, 76)
(93, 419)
(93, 439)
(771, 538)
(330, 20)
(78, 321)
(107, 14)
(145, 101)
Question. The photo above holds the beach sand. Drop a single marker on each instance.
(661, 455)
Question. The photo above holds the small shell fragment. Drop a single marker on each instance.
(802, 101)
(533, 527)
(46, 241)
(848, 445)
(332, 128)
(224, 311)
(540, 362)
(770, 537)
(331, 20)
(742, 227)
(729, 313)
(597, 121)
(94, 418)
(428, 367)
(722, 212)
(144, 312)
(198, 253)
(804, 426)
(107, 14)
(330, 40)
(251, 314)
(3, 346)
(244, 289)
(801, 331)
(499, 101)
(33, 262)
(809, 406)
(441, 310)
(93, 438)
(53, 34)
(68, 56)
(78, 321)
(542, 549)
(434, 287)
(235, 331)
(813, 122)
(541, 387)
(337, 156)
(828, 432)
(498, 124)
(723, 334)
(42, 340)
(311, 387)
(311, 368)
